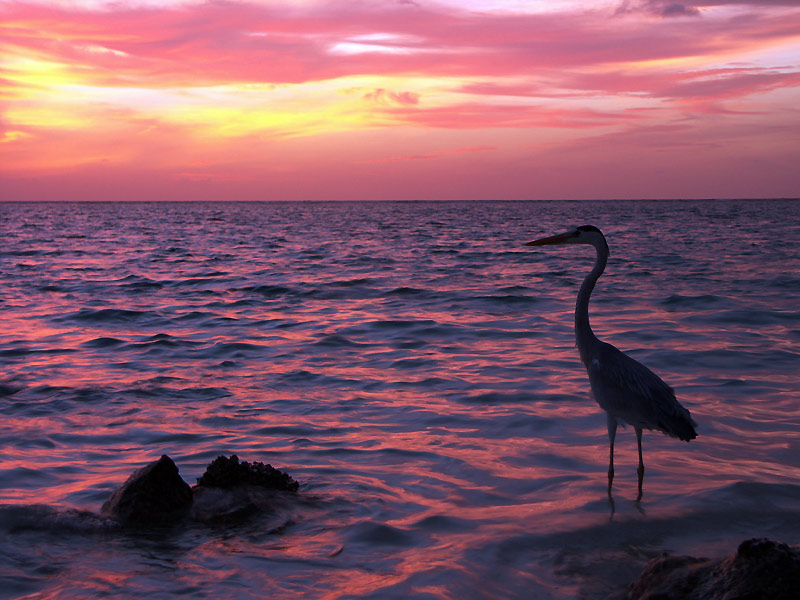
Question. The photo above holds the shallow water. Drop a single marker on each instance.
(412, 365)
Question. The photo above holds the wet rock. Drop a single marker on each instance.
(227, 473)
(230, 489)
(761, 569)
(152, 495)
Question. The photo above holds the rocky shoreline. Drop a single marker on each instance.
(230, 489)
(761, 569)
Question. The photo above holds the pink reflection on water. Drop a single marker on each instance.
(426, 393)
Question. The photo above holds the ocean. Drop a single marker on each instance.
(413, 366)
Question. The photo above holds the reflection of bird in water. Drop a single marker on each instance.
(626, 389)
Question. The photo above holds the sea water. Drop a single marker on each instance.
(413, 366)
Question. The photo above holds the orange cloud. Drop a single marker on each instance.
(382, 96)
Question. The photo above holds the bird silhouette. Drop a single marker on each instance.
(627, 390)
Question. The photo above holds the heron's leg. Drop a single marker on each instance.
(640, 470)
(612, 432)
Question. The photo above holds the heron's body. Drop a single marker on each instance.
(627, 390)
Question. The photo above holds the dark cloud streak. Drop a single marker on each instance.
(669, 8)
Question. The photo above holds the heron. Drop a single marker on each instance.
(624, 388)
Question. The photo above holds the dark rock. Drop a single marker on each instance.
(228, 473)
(760, 570)
(231, 490)
(152, 495)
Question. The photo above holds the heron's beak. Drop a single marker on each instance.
(561, 238)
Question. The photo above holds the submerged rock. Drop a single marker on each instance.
(761, 569)
(152, 495)
(215, 505)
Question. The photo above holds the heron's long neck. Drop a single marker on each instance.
(584, 335)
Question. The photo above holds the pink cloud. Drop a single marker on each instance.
(428, 155)
(220, 42)
(730, 84)
(482, 116)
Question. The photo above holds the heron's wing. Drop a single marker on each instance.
(630, 391)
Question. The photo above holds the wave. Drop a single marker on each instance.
(784, 282)
(230, 350)
(39, 517)
(498, 398)
(113, 316)
(413, 363)
(750, 316)
(679, 301)
(190, 392)
(408, 292)
(338, 341)
(102, 342)
(136, 283)
(308, 378)
(507, 300)
(412, 328)
(270, 291)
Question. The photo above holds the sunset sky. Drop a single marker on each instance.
(398, 99)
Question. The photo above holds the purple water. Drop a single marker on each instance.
(412, 365)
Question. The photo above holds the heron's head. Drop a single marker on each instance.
(585, 234)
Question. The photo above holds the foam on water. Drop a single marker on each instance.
(413, 366)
